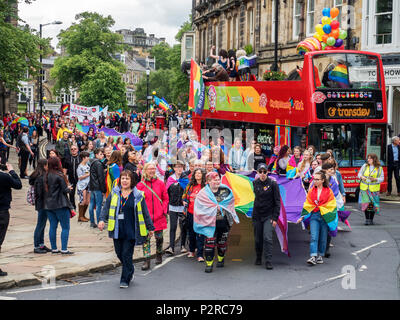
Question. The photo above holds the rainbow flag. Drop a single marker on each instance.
(291, 168)
(112, 177)
(162, 103)
(326, 205)
(197, 91)
(340, 74)
(119, 113)
(242, 188)
(65, 108)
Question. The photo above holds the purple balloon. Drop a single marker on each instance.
(339, 43)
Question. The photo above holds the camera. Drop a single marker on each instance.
(3, 167)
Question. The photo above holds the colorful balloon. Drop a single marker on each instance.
(327, 28)
(323, 45)
(339, 43)
(325, 38)
(331, 41)
(326, 12)
(326, 20)
(318, 36)
(335, 24)
(342, 34)
(308, 45)
(335, 33)
(318, 28)
(334, 12)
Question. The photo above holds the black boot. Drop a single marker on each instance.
(371, 217)
(146, 264)
(258, 261)
(367, 219)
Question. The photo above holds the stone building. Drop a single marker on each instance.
(139, 41)
(234, 24)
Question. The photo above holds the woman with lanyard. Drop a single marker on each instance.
(129, 222)
(157, 200)
(371, 176)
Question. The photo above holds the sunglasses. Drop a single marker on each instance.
(262, 172)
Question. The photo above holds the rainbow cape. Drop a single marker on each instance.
(339, 74)
(326, 205)
(112, 175)
(205, 210)
(291, 168)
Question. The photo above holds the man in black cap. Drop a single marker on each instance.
(267, 204)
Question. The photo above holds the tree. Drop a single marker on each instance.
(104, 87)
(186, 26)
(161, 53)
(19, 47)
(90, 47)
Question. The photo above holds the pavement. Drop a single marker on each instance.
(93, 249)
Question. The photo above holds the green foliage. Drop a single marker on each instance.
(90, 46)
(103, 87)
(274, 75)
(161, 52)
(248, 49)
(19, 48)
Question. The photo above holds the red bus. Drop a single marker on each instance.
(337, 102)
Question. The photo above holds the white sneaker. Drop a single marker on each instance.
(312, 261)
(319, 260)
(169, 251)
(190, 255)
(183, 250)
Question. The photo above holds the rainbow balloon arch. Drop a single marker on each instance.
(328, 35)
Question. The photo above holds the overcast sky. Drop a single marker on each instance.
(161, 17)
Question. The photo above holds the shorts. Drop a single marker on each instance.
(80, 194)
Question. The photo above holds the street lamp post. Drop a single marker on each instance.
(147, 91)
(41, 69)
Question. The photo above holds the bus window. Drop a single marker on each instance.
(347, 71)
(375, 143)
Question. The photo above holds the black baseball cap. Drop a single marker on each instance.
(262, 166)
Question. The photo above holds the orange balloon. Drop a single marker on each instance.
(325, 37)
(334, 12)
(335, 33)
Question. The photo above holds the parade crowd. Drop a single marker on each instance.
(135, 192)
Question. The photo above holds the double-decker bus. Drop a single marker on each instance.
(337, 102)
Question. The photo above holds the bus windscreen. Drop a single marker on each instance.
(346, 71)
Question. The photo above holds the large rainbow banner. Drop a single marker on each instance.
(197, 89)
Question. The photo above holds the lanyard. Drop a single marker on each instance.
(123, 203)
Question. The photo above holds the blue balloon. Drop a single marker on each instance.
(326, 12)
(327, 28)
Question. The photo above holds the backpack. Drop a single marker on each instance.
(20, 144)
(30, 196)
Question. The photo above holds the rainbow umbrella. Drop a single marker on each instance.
(23, 121)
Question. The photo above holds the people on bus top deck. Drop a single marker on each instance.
(220, 74)
(222, 58)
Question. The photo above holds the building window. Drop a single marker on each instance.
(250, 34)
(130, 97)
(67, 98)
(310, 17)
(297, 6)
(25, 93)
(188, 48)
(339, 4)
(384, 21)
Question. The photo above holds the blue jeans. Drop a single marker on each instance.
(55, 216)
(38, 236)
(196, 241)
(96, 199)
(319, 234)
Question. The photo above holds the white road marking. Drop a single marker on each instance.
(164, 263)
(369, 247)
(7, 298)
(57, 287)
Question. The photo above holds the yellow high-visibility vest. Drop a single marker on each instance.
(111, 215)
(372, 186)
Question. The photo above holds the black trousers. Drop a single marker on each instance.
(174, 217)
(4, 221)
(24, 162)
(3, 156)
(220, 240)
(393, 169)
(72, 195)
(263, 238)
(124, 250)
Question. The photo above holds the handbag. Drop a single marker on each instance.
(30, 196)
